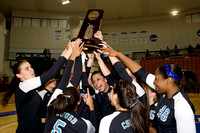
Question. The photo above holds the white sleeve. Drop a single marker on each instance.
(184, 115)
(90, 127)
(42, 93)
(54, 95)
(106, 121)
(30, 84)
(150, 79)
(70, 85)
(139, 90)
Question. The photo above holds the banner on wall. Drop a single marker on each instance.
(106, 37)
(198, 32)
(133, 38)
(143, 37)
(114, 38)
(57, 35)
(67, 35)
(153, 38)
(123, 38)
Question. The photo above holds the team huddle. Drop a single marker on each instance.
(122, 98)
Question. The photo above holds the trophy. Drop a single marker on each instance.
(91, 24)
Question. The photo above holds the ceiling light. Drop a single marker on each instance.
(174, 13)
(65, 2)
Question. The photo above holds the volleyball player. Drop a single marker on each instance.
(62, 116)
(130, 116)
(27, 99)
(174, 112)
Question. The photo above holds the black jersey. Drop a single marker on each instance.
(117, 122)
(68, 123)
(27, 107)
(103, 100)
(173, 115)
(28, 100)
(46, 95)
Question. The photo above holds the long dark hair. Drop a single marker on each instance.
(128, 99)
(65, 102)
(190, 77)
(13, 84)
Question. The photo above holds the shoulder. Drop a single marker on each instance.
(90, 127)
(106, 121)
(181, 105)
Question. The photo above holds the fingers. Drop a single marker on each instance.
(88, 91)
(98, 35)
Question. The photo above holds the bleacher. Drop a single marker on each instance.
(187, 63)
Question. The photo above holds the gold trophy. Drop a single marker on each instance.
(91, 24)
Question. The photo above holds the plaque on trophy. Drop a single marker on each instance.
(91, 24)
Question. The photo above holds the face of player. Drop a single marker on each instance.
(50, 84)
(26, 72)
(100, 82)
(114, 99)
(160, 83)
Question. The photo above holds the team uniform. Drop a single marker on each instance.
(103, 100)
(28, 100)
(174, 115)
(69, 121)
(117, 122)
(45, 95)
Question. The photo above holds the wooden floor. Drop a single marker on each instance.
(8, 117)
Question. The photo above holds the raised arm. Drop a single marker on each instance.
(34, 83)
(135, 68)
(76, 50)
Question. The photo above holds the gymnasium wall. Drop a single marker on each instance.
(170, 30)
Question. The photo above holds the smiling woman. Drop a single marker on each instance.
(24, 84)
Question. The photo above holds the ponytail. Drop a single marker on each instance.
(9, 92)
(128, 99)
(191, 81)
(139, 118)
(13, 84)
(65, 102)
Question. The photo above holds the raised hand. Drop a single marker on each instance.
(76, 48)
(88, 100)
(98, 35)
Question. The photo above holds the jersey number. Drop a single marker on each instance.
(163, 113)
(56, 128)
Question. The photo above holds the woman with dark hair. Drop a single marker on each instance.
(130, 115)
(174, 112)
(27, 99)
(63, 105)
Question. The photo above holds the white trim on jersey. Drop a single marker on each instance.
(54, 95)
(42, 93)
(139, 90)
(106, 121)
(70, 85)
(30, 84)
(150, 79)
(90, 127)
(184, 115)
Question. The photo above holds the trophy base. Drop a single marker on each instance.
(91, 45)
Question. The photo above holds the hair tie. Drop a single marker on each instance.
(171, 74)
(68, 96)
(134, 103)
(183, 71)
